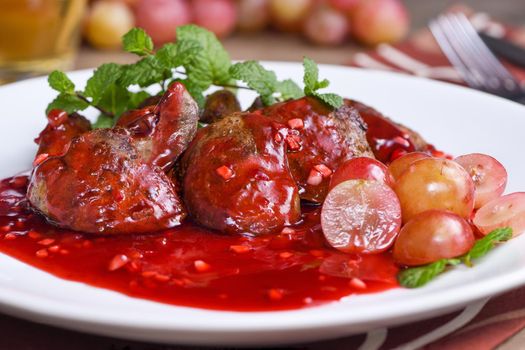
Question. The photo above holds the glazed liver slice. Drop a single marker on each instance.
(54, 140)
(236, 176)
(163, 132)
(101, 185)
(319, 136)
(113, 180)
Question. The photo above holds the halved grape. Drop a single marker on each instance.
(489, 176)
(431, 236)
(435, 183)
(361, 216)
(362, 168)
(505, 211)
(398, 166)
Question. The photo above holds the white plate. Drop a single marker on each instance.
(455, 119)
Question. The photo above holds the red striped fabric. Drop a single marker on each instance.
(420, 55)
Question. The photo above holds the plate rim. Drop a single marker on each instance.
(466, 293)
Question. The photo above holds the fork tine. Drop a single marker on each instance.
(474, 61)
(478, 45)
(448, 50)
(480, 62)
(497, 73)
(469, 58)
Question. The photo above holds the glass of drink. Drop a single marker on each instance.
(38, 36)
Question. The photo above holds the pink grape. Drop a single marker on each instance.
(489, 176)
(398, 166)
(431, 236)
(435, 183)
(218, 16)
(160, 18)
(505, 211)
(326, 26)
(253, 15)
(288, 15)
(106, 23)
(344, 6)
(362, 168)
(379, 21)
(361, 216)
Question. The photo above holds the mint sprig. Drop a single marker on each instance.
(68, 99)
(312, 84)
(102, 80)
(60, 82)
(487, 243)
(264, 82)
(211, 64)
(67, 102)
(415, 277)
(197, 59)
(138, 42)
(288, 89)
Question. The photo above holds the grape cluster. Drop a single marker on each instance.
(323, 22)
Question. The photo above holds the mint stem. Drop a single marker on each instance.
(221, 85)
(235, 87)
(102, 110)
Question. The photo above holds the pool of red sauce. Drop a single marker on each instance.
(193, 266)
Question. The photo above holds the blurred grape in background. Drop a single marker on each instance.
(321, 22)
(43, 34)
(37, 36)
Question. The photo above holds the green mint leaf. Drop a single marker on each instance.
(67, 102)
(115, 100)
(212, 63)
(138, 42)
(415, 277)
(136, 98)
(144, 73)
(418, 276)
(485, 244)
(103, 77)
(60, 82)
(311, 75)
(312, 85)
(166, 55)
(263, 81)
(179, 54)
(333, 100)
(322, 84)
(454, 261)
(289, 90)
(103, 121)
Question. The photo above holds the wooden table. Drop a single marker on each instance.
(25, 335)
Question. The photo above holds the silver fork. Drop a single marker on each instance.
(473, 60)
